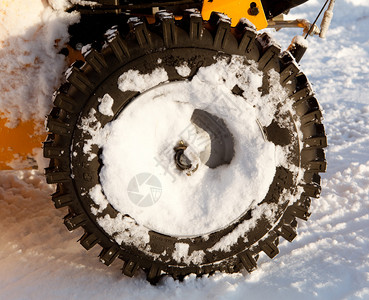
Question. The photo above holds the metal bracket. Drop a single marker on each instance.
(298, 23)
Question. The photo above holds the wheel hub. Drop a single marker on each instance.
(196, 139)
(183, 162)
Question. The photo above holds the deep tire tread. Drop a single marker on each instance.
(62, 200)
(88, 240)
(248, 261)
(119, 48)
(80, 81)
(139, 28)
(96, 61)
(72, 221)
(287, 232)
(108, 255)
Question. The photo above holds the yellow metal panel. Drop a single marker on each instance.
(236, 10)
(17, 144)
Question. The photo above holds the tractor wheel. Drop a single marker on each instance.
(185, 147)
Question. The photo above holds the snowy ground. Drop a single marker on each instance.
(329, 259)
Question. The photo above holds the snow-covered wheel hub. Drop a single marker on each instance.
(186, 159)
(143, 139)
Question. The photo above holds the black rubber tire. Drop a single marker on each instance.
(197, 43)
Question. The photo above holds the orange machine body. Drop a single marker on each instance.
(17, 145)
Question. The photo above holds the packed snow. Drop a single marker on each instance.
(329, 259)
(106, 104)
(31, 35)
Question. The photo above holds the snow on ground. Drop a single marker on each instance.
(329, 259)
(31, 35)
